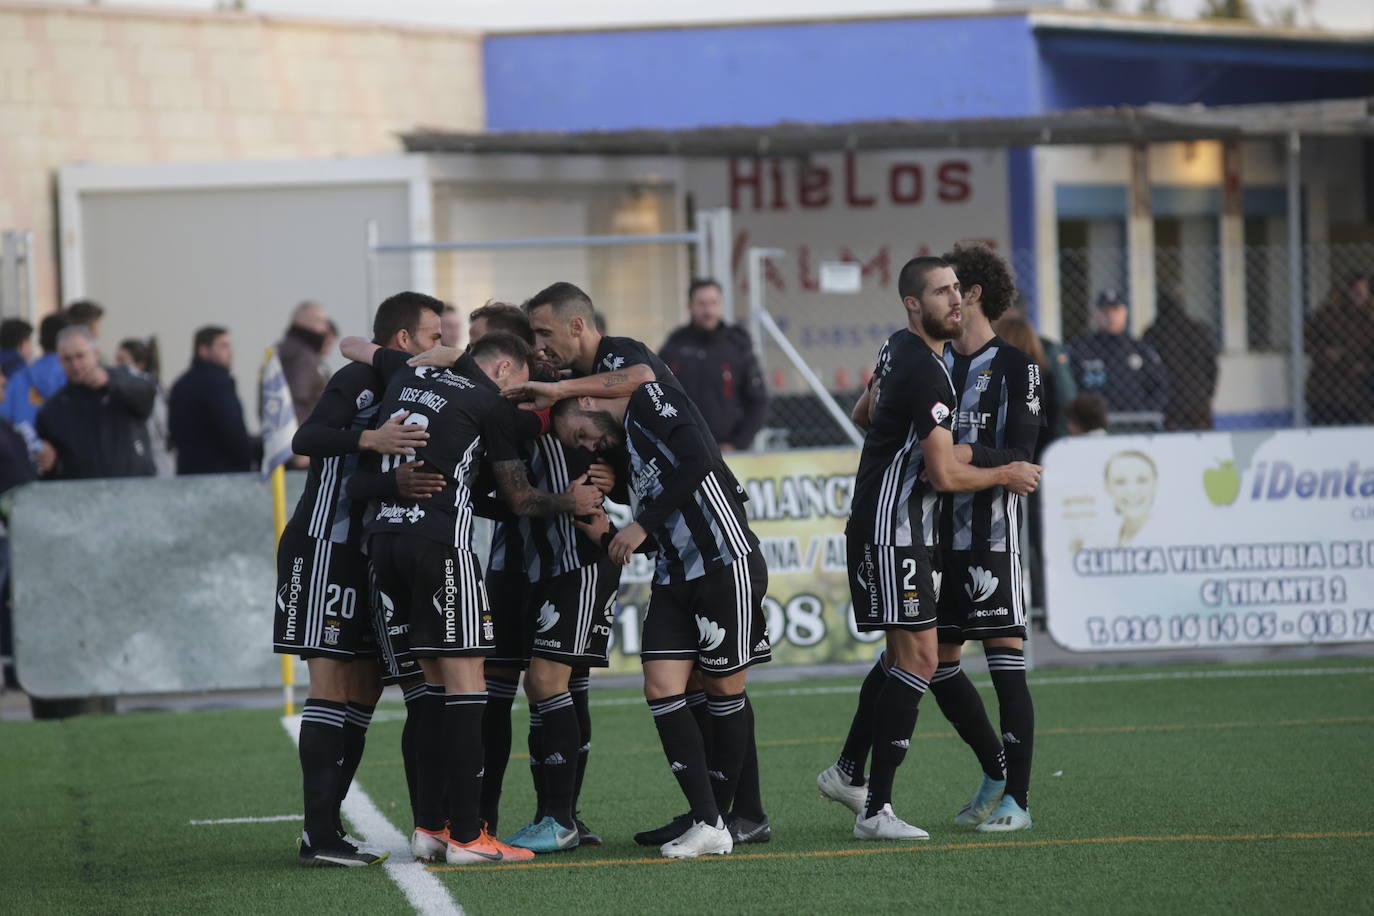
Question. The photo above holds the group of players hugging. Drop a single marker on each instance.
(537, 422)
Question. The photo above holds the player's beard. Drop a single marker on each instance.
(607, 429)
(936, 329)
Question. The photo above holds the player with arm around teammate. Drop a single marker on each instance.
(908, 456)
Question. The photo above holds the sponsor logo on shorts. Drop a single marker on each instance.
(763, 646)
(990, 612)
(711, 634)
(715, 662)
(982, 583)
(864, 578)
(547, 617)
(446, 602)
(548, 644)
(289, 596)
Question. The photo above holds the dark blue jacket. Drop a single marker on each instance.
(1126, 372)
(100, 432)
(205, 422)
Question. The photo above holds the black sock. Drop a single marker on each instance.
(463, 762)
(732, 728)
(1008, 669)
(748, 795)
(535, 743)
(696, 704)
(681, 739)
(410, 739)
(579, 686)
(959, 701)
(860, 738)
(894, 722)
(357, 718)
(558, 763)
(322, 759)
(430, 748)
(496, 741)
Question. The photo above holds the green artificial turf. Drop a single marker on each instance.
(1242, 790)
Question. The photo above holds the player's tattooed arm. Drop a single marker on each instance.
(579, 499)
(618, 384)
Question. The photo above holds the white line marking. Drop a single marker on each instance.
(422, 888)
(248, 820)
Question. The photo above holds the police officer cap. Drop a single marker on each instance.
(1109, 297)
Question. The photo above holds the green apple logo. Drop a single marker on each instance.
(1222, 483)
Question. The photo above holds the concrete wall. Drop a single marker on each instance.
(121, 85)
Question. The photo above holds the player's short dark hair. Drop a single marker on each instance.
(48, 329)
(506, 318)
(84, 311)
(701, 283)
(978, 265)
(13, 332)
(567, 300)
(1088, 412)
(402, 312)
(911, 282)
(204, 337)
(499, 343)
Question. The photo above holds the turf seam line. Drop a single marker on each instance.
(426, 893)
(946, 847)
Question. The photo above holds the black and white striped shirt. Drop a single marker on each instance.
(346, 408)
(709, 530)
(892, 505)
(1000, 410)
(552, 544)
(467, 419)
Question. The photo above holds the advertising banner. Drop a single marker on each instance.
(798, 505)
(1214, 539)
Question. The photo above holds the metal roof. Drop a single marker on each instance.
(1147, 123)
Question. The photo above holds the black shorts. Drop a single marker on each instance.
(508, 593)
(716, 620)
(437, 591)
(892, 587)
(981, 597)
(392, 635)
(572, 615)
(321, 605)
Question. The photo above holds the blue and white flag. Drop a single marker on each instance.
(278, 416)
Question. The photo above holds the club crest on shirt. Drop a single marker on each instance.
(984, 379)
(612, 362)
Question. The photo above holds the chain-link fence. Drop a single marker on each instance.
(1212, 349)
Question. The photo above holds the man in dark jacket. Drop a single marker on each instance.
(715, 363)
(204, 414)
(1188, 350)
(97, 425)
(1127, 373)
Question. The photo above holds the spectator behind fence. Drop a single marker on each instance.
(16, 345)
(97, 424)
(140, 356)
(1127, 373)
(1339, 341)
(715, 363)
(204, 411)
(1188, 349)
(301, 355)
(451, 327)
(35, 383)
(88, 314)
(1086, 415)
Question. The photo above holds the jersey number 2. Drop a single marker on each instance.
(908, 574)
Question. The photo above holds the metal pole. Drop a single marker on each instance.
(810, 378)
(9, 274)
(29, 273)
(562, 241)
(372, 234)
(722, 241)
(754, 264)
(1296, 361)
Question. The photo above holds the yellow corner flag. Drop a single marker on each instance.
(278, 429)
